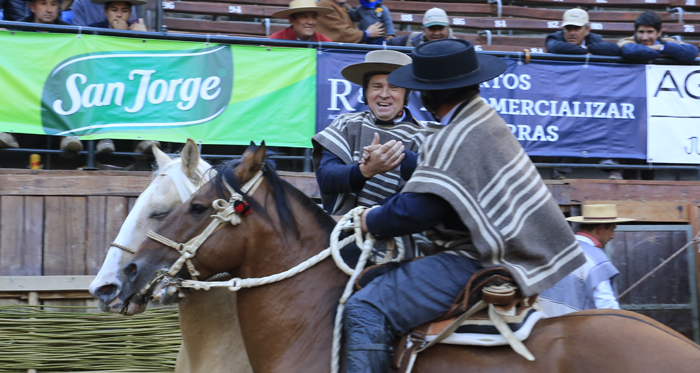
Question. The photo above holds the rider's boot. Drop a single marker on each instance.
(368, 339)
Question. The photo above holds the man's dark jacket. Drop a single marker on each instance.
(557, 44)
(14, 10)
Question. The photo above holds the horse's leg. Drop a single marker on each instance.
(584, 342)
(211, 335)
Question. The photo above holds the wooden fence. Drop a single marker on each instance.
(60, 223)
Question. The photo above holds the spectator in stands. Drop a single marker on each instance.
(44, 11)
(647, 42)
(593, 284)
(118, 14)
(436, 26)
(14, 10)
(372, 12)
(576, 38)
(302, 15)
(338, 26)
(86, 13)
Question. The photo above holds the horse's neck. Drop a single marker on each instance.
(211, 335)
(289, 325)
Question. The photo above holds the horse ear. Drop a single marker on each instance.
(162, 159)
(252, 163)
(259, 157)
(252, 148)
(190, 158)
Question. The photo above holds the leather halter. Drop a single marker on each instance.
(225, 213)
(185, 189)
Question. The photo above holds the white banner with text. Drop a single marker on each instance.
(673, 107)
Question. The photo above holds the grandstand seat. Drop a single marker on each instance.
(525, 26)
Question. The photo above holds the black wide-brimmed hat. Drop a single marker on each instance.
(446, 64)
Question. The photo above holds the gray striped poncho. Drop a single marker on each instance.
(346, 137)
(478, 166)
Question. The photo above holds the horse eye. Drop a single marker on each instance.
(159, 215)
(198, 208)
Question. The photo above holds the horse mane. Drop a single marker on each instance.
(322, 218)
(279, 187)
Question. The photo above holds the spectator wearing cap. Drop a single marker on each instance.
(339, 27)
(577, 38)
(86, 13)
(647, 42)
(436, 26)
(118, 14)
(44, 11)
(302, 15)
(371, 12)
(592, 285)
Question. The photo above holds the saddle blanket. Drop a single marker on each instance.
(480, 331)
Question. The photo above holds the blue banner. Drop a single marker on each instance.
(553, 108)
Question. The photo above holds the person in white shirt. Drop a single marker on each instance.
(592, 285)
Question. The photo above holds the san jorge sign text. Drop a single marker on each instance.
(88, 93)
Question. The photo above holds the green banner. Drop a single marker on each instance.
(100, 87)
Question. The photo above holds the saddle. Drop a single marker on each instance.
(489, 311)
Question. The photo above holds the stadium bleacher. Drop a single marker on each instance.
(521, 24)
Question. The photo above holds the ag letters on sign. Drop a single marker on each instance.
(673, 100)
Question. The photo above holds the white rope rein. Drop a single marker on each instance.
(226, 213)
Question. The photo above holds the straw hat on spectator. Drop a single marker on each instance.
(599, 214)
(298, 6)
(379, 61)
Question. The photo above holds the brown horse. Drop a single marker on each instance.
(287, 326)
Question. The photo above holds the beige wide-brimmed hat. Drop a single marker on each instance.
(298, 6)
(132, 2)
(599, 214)
(379, 61)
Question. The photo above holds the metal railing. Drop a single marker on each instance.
(20, 26)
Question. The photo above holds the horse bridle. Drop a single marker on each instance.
(188, 189)
(226, 213)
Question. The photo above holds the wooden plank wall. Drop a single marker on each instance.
(55, 223)
(61, 223)
(637, 253)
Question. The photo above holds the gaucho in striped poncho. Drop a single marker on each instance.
(346, 137)
(475, 189)
(480, 169)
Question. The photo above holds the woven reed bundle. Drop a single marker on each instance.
(33, 338)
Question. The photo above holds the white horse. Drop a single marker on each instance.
(211, 336)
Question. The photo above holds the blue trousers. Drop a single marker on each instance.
(417, 291)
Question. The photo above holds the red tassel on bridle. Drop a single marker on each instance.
(242, 207)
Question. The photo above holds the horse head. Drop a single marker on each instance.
(237, 199)
(173, 183)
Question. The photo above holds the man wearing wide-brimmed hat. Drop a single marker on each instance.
(345, 180)
(118, 14)
(302, 15)
(477, 195)
(593, 284)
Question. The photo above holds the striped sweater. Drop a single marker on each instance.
(346, 137)
(478, 166)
